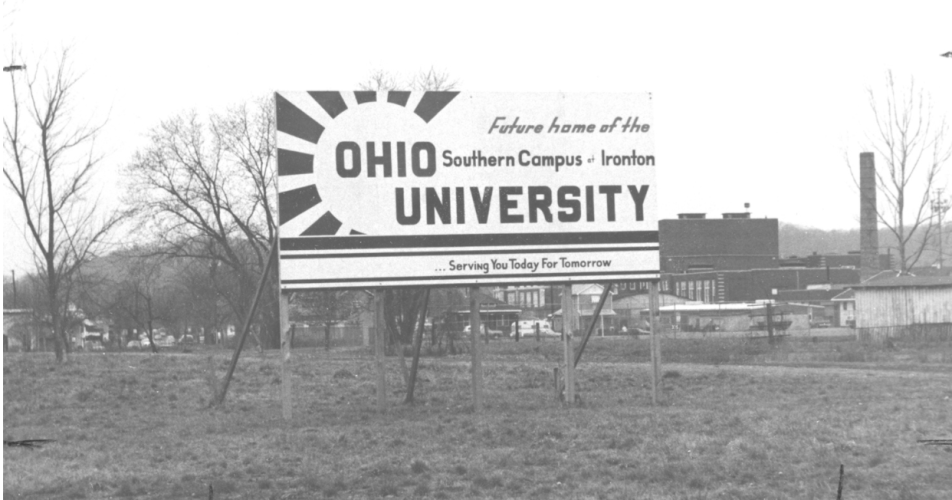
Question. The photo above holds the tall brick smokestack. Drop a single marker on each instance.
(868, 224)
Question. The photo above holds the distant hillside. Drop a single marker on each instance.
(801, 241)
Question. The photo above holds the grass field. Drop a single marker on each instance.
(739, 419)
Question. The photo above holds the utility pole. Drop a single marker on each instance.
(939, 208)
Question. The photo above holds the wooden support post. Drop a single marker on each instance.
(653, 311)
(569, 369)
(248, 319)
(591, 326)
(380, 325)
(283, 303)
(474, 339)
(568, 327)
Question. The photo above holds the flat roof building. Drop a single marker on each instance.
(693, 242)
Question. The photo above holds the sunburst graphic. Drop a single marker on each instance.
(305, 130)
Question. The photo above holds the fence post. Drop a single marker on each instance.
(474, 338)
(568, 324)
(283, 301)
(653, 311)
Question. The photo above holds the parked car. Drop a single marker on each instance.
(493, 333)
(527, 328)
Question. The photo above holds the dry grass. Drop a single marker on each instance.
(136, 426)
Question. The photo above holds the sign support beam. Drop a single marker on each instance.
(591, 326)
(380, 327)
(251, 315)
(283, 303)
(568, 327)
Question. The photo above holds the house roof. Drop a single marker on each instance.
(723, 307)
(640, 301)
(17, 311)
(907, 281)
(847, 295)
(751, 308)
(588, 312)
(789, 308)
(588, 289)
(806, 295)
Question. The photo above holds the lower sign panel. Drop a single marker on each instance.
(436, 267)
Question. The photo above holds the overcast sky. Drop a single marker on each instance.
(753, 102)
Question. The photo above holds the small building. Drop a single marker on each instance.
(815, 295)
(904, 306)
(736, 317)
(535, 301)
(631, 309)
(845, 308)
(19, 329)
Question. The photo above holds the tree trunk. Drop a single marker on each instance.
(55, 328)
(327, 336)
(148, 303)
(209, 333)
(155, 350)
(403, 362)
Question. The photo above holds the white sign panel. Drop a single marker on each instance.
(455, 188)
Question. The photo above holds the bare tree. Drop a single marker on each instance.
(913, 147)
(380, 80)
(203, 308)
(433, 80)
(146, 292)
(53, 162)
(206, 188)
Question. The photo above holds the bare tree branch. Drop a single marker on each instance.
(913, 149)
(53, 162)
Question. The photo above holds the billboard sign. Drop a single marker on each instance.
(394, 188)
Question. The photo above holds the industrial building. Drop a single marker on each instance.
(755, 284)
(736, 259)
(692, 242)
